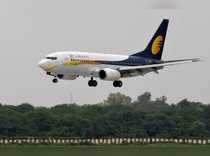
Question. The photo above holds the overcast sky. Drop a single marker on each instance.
(30, 29)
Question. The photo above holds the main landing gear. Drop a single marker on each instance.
(92, 83)
(117, 84)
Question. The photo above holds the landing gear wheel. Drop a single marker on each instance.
(95, 83)
(120, 83)
(92, 83)
(55, 80)
(117, 84)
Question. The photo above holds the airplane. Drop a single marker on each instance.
(69, 65)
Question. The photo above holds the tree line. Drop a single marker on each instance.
(117, 116)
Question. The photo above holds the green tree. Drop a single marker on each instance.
(118, 99)
(116, 117)
(144, 98)
(24, 108)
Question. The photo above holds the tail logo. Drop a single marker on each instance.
(157, 45)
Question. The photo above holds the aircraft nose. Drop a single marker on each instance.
(46, 65)
(43, 64)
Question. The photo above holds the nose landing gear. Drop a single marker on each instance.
(55, 80)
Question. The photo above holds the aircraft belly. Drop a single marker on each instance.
(81, 70)
(86, 70)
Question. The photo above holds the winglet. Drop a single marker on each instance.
(197, 60)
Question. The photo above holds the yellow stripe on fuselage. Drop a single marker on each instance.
(75, 62)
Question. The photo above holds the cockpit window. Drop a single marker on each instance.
(52, 58)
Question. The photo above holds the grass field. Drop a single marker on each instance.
(130, 150)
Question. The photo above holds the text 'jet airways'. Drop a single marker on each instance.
(70, 65)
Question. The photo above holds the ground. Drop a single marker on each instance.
(125, 150)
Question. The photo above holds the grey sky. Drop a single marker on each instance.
(30, 29)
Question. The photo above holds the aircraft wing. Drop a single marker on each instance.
(143, 69)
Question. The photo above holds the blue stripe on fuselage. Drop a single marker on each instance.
(133, 61)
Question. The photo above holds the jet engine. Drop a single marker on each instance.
(109, 74)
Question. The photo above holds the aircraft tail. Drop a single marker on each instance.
(155, 47)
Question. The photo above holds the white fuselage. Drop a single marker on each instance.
(72, 64)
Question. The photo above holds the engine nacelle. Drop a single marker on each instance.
(109, 74)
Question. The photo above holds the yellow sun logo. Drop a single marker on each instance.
(157, 45)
